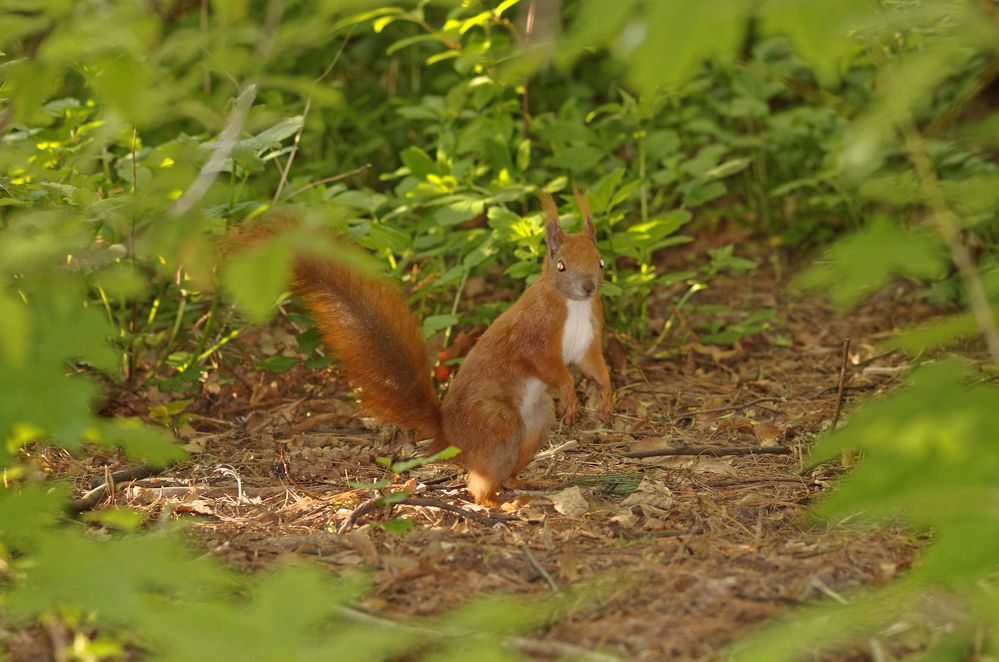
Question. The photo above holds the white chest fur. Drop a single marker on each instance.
(578, 331)
(533, 390)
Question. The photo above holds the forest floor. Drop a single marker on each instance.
(687, 552)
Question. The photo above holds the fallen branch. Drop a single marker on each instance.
(281, 450)
(572, 443)
(707, 450)
(540, 569)
(718, 410)
(541, 647)
(362, 509)
(752, 481)
(94, 496)
(371, 504)
(145, 494)
(842, 382)
(488, 520)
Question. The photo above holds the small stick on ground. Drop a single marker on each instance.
(446, 478)
(707, 450)
(281, 449)
(846, 458)
(718, 410)
(548, 648)
(539, 568)
(371, 504)
(94, 496)
(487, 520)
(842, 382)
(363, 509)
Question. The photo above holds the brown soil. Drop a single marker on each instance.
(711, 546)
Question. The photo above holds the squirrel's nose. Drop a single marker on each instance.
(588, 287)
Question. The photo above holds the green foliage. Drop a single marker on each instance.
(181, 608)
(865, 261)
(930, 458)
(133, 141)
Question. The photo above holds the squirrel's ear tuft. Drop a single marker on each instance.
(553, 236)
(584, 209)
(548, 206)
(553, 231)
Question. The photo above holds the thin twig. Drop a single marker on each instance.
(328, 180)
(707, 450)
(487, 520)
(223, 148)
(756, 481)
(130, 356)
(539, 568)
(542, 647)
(305, 116)
(363, 509)
(718, 410)
(842, 382)
(948, 226)
(439, 480)
(629, 534)
(152, 493)
(371, 504)
(281, 449)
(525, 101)
(572, 443)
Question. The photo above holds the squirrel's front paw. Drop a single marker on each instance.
(570, 409)
(607, 412)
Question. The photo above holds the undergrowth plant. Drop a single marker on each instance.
(135, 135)
(912, 167)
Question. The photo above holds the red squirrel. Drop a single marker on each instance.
(497, 410)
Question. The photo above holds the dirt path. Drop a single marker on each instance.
(709, 546)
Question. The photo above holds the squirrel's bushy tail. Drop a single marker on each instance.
(368, 324)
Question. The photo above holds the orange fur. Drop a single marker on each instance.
(367, 323)
(497, 410)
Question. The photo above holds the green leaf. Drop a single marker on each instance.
(15, 331)
(598, 22)
(278, 363)
(276, 134)
(397, 46)
(978, 194)
(938, 333)
(407, 465)
(458, 212)
(863, 262)
(698, 193)
(258, 276)
(655, 229)
(524, 154)
(900, 189)
(435, 323)
(820, 30)
(121, 519)
(503, 6)
(577, 158)
(365, 16)
(420, 165)
(142, 567)
(27, 513)
(697, 29)
(139, 441)
(121, 282)
(397, 526)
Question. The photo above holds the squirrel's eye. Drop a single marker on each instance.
(601, 263)
(560, 265)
